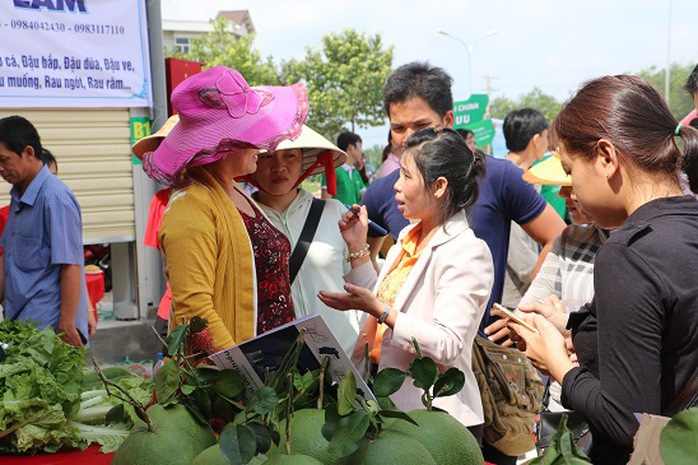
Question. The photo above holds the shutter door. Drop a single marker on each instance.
(93, 149)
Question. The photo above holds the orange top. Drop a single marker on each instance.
(393, 281)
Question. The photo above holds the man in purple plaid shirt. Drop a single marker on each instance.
(42, 267)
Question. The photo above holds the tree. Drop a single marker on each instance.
(344, 79)
(222, 47)
(680, 101)
(536, 99)
(374, 156)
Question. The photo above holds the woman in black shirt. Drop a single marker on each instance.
(637, 342)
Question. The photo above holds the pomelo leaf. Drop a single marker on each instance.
(331, 421)
(207, 373)
(423, 372)
(399, 415)
(677, 441)
(247, 442)
(349, 432)
(167, 381)
(263, 400)
(187, 389)
(388, 381)
(230, 384)
(262, 436)
(449, 383)
(230, 448)
(346, 394)
(176, 339)
(202, 399)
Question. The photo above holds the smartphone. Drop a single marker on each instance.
(513, 316)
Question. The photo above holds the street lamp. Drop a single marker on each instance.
(469, 47)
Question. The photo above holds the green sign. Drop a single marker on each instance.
(141, 126)
(470, 111)
(484, 132)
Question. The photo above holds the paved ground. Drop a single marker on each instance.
(118, 341)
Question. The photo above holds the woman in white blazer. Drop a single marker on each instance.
(437, 278)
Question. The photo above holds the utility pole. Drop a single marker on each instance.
(488, 89)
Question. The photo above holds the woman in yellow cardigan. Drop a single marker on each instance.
(235, 279)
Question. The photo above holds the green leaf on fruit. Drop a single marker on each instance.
(449, 383)
(397, 414)
(202, 399)
(230, 448)
(346, 395)
(331, 421)
(247, 442)
(263, 400)
(230, 383)
(187, 389)
(677, 441)
(388, 381)
(262, 436)
(349, 432)
(423, 372)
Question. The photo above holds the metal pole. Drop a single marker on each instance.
(157, 64)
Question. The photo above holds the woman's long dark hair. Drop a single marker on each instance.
(441, 152)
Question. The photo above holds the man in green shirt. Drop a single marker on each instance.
(350, 186)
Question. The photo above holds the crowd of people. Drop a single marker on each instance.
(613, 296)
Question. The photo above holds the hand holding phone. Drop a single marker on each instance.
(513, 316)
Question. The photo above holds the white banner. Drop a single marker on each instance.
(74, 53)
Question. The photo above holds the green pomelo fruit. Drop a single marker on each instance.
(306, 437)
(292, 460)
(391, 448)
(177, 438)
(213, 456)
(446, 439)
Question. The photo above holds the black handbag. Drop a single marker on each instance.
(547, 423)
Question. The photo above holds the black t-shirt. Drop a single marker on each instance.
(646, 314)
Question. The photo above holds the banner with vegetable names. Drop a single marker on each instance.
(74, 53)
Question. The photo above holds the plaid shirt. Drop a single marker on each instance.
(568, 270)
(43, 233)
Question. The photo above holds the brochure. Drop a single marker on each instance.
(255, 357)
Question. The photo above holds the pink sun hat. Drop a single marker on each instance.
(218, 111)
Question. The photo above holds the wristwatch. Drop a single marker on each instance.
(384, 315)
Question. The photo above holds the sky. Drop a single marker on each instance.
(554, 45)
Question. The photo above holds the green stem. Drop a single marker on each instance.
(289, 407)
(321, 380)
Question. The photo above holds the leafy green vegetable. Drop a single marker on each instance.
(43, 406)
(40, 385)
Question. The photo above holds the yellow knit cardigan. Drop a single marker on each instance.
(208, 261)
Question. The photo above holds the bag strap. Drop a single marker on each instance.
(306, 237)
(686, 399)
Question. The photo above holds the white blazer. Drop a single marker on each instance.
(440, 304)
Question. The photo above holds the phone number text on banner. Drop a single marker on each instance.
(74, 53)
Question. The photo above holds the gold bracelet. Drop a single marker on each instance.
(365, 252)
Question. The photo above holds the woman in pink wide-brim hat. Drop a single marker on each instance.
(224, 259)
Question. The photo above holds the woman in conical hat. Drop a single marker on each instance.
(224, 259)
(278, 178)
